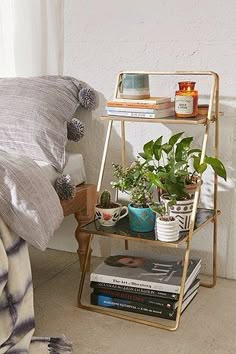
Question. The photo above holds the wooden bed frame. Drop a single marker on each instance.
(82, 206)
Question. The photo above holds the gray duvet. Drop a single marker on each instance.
(29, 204)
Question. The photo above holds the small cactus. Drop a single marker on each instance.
(105, 199)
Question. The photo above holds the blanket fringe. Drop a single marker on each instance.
(59, 345)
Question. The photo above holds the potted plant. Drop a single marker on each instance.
(166, 227)
(134, 181)
(176, 167)
(107, 212)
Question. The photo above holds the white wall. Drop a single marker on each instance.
(103, 37)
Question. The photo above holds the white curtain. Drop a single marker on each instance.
(31, 37)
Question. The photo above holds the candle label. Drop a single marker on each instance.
(183, 104)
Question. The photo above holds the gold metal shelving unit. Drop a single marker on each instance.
(199, 217)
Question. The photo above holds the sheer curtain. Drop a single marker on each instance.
(31, 37)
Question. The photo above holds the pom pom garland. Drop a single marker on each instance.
(75, 130)
(65, 188)
(87, 98)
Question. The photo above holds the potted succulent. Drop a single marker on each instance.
(134, 181)
(176, 167)
(166, 227)
(107, 212)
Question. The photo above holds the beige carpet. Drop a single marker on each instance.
(207, 326)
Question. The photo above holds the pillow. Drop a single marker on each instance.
(33, 116)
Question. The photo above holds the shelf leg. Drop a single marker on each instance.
(83, 274)
(104, 156)
(123, 159)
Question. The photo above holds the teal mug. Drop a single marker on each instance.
(134, 86)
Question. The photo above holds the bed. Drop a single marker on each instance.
(35, 114)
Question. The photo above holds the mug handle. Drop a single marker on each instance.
(125, 213)
(120, 85)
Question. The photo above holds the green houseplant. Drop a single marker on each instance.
(134, 180)
(174, 166)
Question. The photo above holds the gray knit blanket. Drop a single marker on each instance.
(30, 212)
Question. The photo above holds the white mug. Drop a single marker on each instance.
(109, 217)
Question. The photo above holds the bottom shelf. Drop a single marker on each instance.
(129, 315)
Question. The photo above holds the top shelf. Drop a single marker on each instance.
(169, 120)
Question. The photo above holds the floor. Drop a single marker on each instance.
(207, 326)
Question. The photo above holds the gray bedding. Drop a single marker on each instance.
(29, 204)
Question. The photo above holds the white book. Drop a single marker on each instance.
(162, 273)
(140, 110)
(151, 100)
(162, 113)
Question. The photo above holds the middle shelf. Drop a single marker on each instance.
(122, 231)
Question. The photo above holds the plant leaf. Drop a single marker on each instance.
(182, 149)
(202, 167)
(167, 148)
(143, 155)
(175, 138)
(155, 179)
(157, 148)
(217, 166)
(192, 151)
(196, 162)
(148, 149)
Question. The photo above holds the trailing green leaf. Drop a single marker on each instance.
(182, 149)
(217, 166)
(148, 149)
(173, 140)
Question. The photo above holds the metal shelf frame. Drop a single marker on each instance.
(212, 117)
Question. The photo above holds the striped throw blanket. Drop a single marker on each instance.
(30, 212)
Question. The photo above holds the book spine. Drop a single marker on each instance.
(134, 283)
(131, 114)
(141, 299)
(126, 305)
(152, 100)
(114, 104)
(132, 110)
(138, 291)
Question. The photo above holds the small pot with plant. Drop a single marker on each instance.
(134, 181)
(107, 212)
(166, 227)
(175, 167)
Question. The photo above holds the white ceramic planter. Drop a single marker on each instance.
(167, 231)
(182, 211)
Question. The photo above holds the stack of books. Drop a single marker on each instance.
(144, 285)
(153, 107)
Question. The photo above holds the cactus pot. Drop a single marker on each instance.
(110, 216)
(141, 219)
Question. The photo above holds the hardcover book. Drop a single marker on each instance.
(133, 290)
(140, 110)
(115, 104)
(143, 299)
(162, 273)
(150, 100)
(144, 309)
(142, 113)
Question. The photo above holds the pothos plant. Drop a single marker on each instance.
(175, 164)
(135, 181)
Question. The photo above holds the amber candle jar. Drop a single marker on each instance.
(186, 100)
